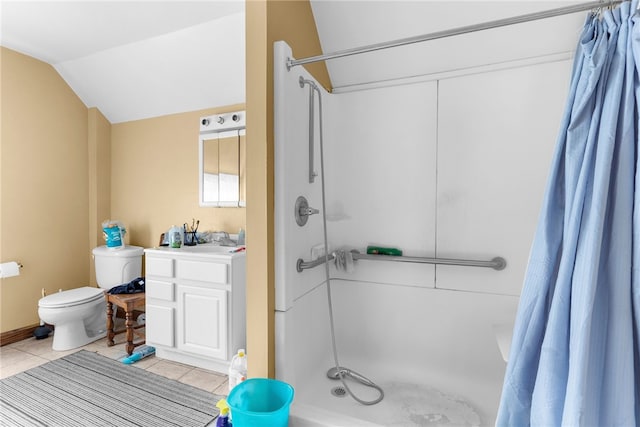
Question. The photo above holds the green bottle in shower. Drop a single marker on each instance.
(379, 250)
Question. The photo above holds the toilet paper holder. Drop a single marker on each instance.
(19, 264)
(10, 269)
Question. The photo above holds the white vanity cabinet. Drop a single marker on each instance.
(195, 304)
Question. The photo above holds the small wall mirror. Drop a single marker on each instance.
(222, 148)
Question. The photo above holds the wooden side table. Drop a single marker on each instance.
(129, 303)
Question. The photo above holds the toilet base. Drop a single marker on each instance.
(78, 325)
(73, 335)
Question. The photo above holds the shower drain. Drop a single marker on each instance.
(339, 391)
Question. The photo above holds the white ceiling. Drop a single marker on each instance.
(142, 59)
(136, 60)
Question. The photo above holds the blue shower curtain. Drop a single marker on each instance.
(575, 353)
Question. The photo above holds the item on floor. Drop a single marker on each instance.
(140, 353)
(96, 389)
(379, 250)
(260, 402)
(113, 232)
(223, 418)
(42, 331)
(237, 369)
(133, 287)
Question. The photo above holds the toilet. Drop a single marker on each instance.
(79, 315)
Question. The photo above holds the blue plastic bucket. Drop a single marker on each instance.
(260, 402)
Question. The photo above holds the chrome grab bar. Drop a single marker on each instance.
(497, 263)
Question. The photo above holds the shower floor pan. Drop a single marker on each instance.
(404, 405)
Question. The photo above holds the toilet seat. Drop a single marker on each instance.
(71, 297)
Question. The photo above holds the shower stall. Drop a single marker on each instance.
(450, 166)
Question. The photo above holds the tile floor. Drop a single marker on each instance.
(29, 353)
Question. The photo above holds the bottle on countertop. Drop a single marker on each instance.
(175, 237)
(241, 237)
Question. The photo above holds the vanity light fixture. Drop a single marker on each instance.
(223, 122)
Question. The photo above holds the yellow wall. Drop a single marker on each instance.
(260, 274)
(44, 193)
(154, 177)
(99, 163)
(267, 22)
(293, 22)
(65, 169)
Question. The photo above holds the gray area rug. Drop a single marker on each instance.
(87, 389)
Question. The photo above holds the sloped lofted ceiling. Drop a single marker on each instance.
(135, 60)
(142, 59)
(354, 23)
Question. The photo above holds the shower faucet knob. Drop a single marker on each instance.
(309, 211)
(303, 211)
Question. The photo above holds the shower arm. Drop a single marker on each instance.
(497, 263)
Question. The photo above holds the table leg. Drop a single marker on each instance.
(110, 333)
(129, 325)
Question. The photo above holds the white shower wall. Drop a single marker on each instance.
(300, 340)
(452, 168)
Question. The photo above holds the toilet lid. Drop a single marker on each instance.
(126, 251)
(72, 297)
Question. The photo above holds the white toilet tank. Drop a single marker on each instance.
(116, 267)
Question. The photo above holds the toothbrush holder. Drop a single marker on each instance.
(190, 238)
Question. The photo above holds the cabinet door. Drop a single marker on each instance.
(159, 325)
(202, 321)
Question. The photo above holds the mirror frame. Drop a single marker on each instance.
(221, 126)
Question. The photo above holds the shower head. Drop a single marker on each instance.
(334, 373)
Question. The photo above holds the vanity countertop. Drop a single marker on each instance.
(198, 251)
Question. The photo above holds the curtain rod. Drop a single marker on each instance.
(456, 31)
